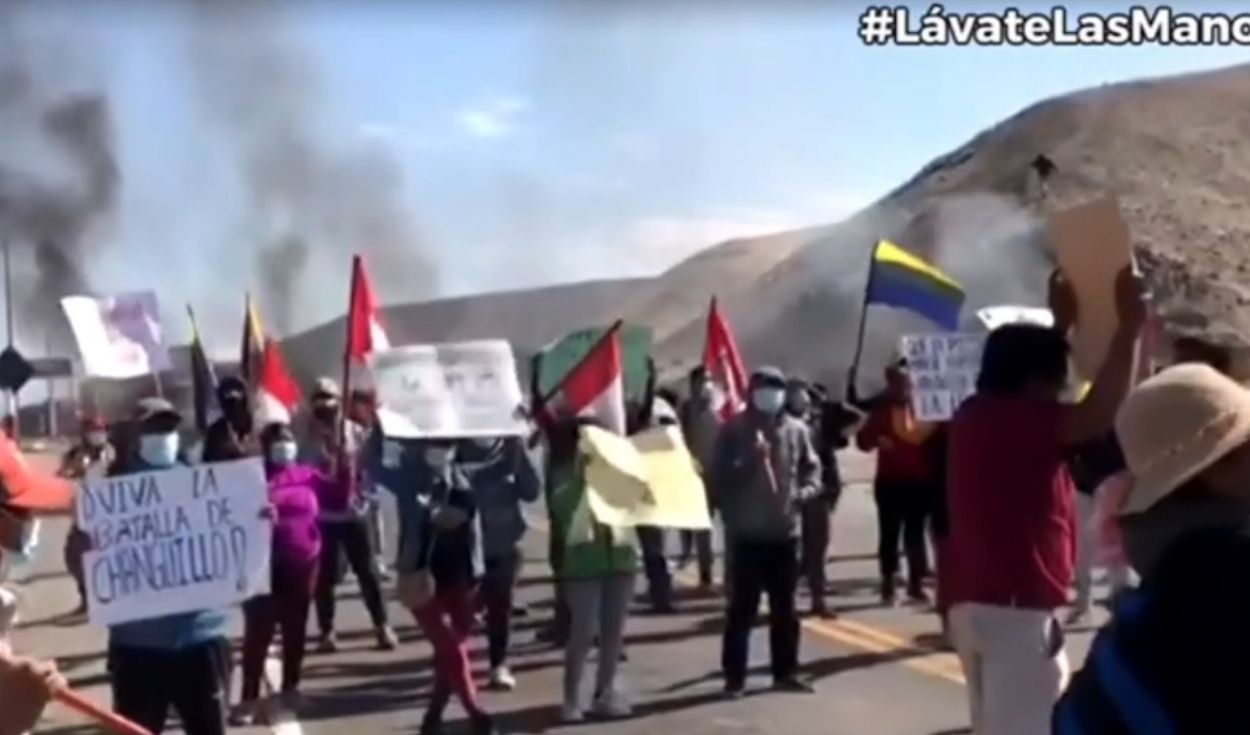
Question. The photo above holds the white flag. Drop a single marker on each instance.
(118, 336)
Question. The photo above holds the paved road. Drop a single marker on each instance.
(878, 671)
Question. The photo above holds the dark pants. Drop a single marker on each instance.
(76, 544)
(655, 565)
(497, 591)
(447, 622)
(353, 538)
(286, 608)
(771, 567)
(902, 511)
(699, 545)
(146, 683)
(555, 555)
(816, 537)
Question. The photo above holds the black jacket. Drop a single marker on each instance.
(1176, 656)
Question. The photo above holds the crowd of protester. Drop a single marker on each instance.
(997, 518)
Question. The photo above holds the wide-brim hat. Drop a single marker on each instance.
(1177, 424)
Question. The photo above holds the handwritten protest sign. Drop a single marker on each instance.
(459, 389)
(943, 370)
(173, 541)
(648, 479)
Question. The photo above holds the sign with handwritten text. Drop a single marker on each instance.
(943, 369)
(175, 541)
(459, 389)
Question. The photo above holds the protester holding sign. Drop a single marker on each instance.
(344, 517)
(905, 485)
(177, 660)
(293, 492)
(1009, 556)
(439, 563)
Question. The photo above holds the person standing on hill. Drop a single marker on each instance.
(764, 469)
(904, 486)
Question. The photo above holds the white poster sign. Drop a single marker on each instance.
(118, 336)
(174, 541)
(459, 389)
(943, 370)
(994, 317)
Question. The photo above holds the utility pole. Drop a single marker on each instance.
(8, 313)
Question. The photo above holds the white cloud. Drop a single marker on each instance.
(496, 118)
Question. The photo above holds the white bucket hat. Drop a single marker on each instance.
(1177, 424)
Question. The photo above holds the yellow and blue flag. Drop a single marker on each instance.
(902, 280)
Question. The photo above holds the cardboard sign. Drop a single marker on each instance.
(175, 541)
(1091, 243)
(118, 336)
(943, 370)
(648, 479)
(459, 389)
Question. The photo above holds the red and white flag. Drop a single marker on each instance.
(277, 393)
(595, 387)
(724, 365)
(365, 334)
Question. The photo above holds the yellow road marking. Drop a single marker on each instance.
(869, 638)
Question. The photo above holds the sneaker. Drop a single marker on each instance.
(735, 689)
(501, 679)
(431, 724)
(794, 685)
(329, 643)
(918, 596)
(291, 700)
(571, 714)
(612, 707)
(823, 613)
(387, 640)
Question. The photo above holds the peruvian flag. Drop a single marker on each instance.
(724, 364)
(365, 334)
(277, 393)
(595, 387)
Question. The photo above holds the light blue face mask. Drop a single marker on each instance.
(159, 450)
(768, 400)
(283, 453)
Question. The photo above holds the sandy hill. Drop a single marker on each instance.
(1172, 149)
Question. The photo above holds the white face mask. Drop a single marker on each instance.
(96, 438)
(283, 453)
(159, 450)
(768, 400)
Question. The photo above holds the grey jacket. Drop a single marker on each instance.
(752, 509)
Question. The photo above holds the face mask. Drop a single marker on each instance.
(159, 450)
(438, 456)
(768, 400)
(282, 453)
(706, 392)
(484, 442)
(96, 438)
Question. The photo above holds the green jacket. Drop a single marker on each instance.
(591, 549)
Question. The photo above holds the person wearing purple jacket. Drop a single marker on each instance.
(293, 493)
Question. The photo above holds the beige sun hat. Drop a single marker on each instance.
(1177, 424)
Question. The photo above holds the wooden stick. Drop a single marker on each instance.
(108, 719)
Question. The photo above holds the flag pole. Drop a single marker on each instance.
(347, 351)
(849, 389)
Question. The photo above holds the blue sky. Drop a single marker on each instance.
(553, 141)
